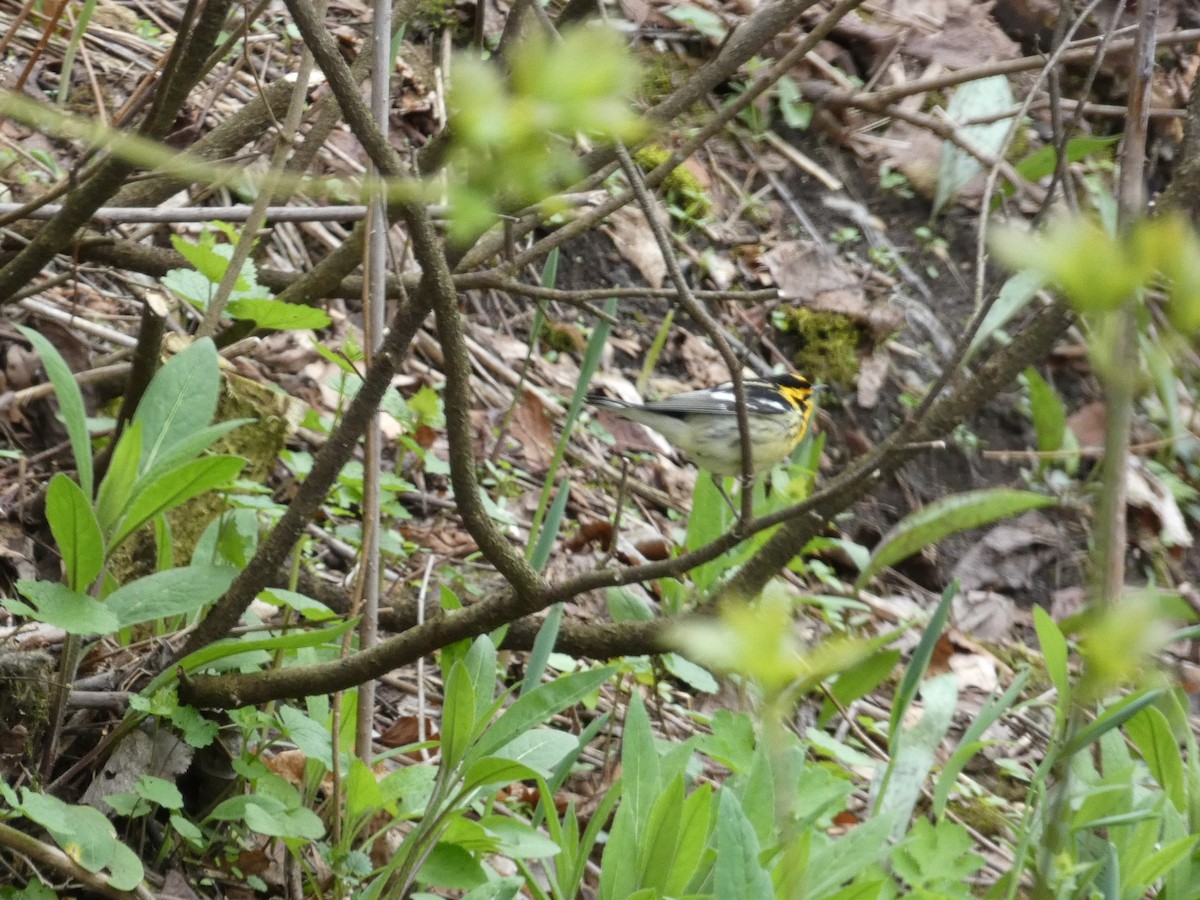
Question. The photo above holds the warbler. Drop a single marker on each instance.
(704, 424)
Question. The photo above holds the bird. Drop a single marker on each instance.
(704, 423)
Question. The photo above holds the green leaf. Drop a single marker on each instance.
(495, 770)
(1096, 272)
(1014, 296)
(984, 98)
(656, 855)
(75, 530)
(227, 647)
(160, 791)
(1049, 414)
(1151, 734)
(914, 757)
(951, 515)
(58, 605)
(539, 705)
(70, 404)
(936, 856)
(640, 772)
(175, 487)
(1054, 652)
(190, 446)
(539, 749)
(738, 873)
(117, 486)
(179, 401)
(268, 818)
(1147, 870)
(450, 866)
(1113, 717)
(203, 254)
(518, 840)
(278, 315)
(174, 592)
(1043, 161)
(914, 674)
(458, 715)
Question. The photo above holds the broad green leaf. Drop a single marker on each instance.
(656, 855)
(1042, 162)
(160, 791)
(300, 822)
(310, 609)
(539, 705)
(697, 818)
(1148, 869)
(75, 530)
(1049, 414)
(458, 714)
(179, 401)
(58, 605)
(480, 661)
(70, 404)
(1014, 296)
(311, 738)
(1151, 734)
(639, 763)
(451, 866)
(1054, 652)
(1113, 717)
(117, 486)
(174, 592)
(738, 873)
(175, 487)
(495, 770)
(951, 515)
(936, 856)
(913, 761)
(540, 749)
(278, 315)
(190, 446)
(982, 99)
(518, 840)
(203, 254)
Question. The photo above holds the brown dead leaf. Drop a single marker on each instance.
(596, 532)
(630, 233)
(1010, 555)
(872, 375)
(1088, 424)
(703, 363)
(986, 615)
(967, 37)
(532, 428)
(442, 539)
(406, 731)
(288, 765)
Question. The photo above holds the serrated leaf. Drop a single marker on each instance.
(58, 605)
(276, 315)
